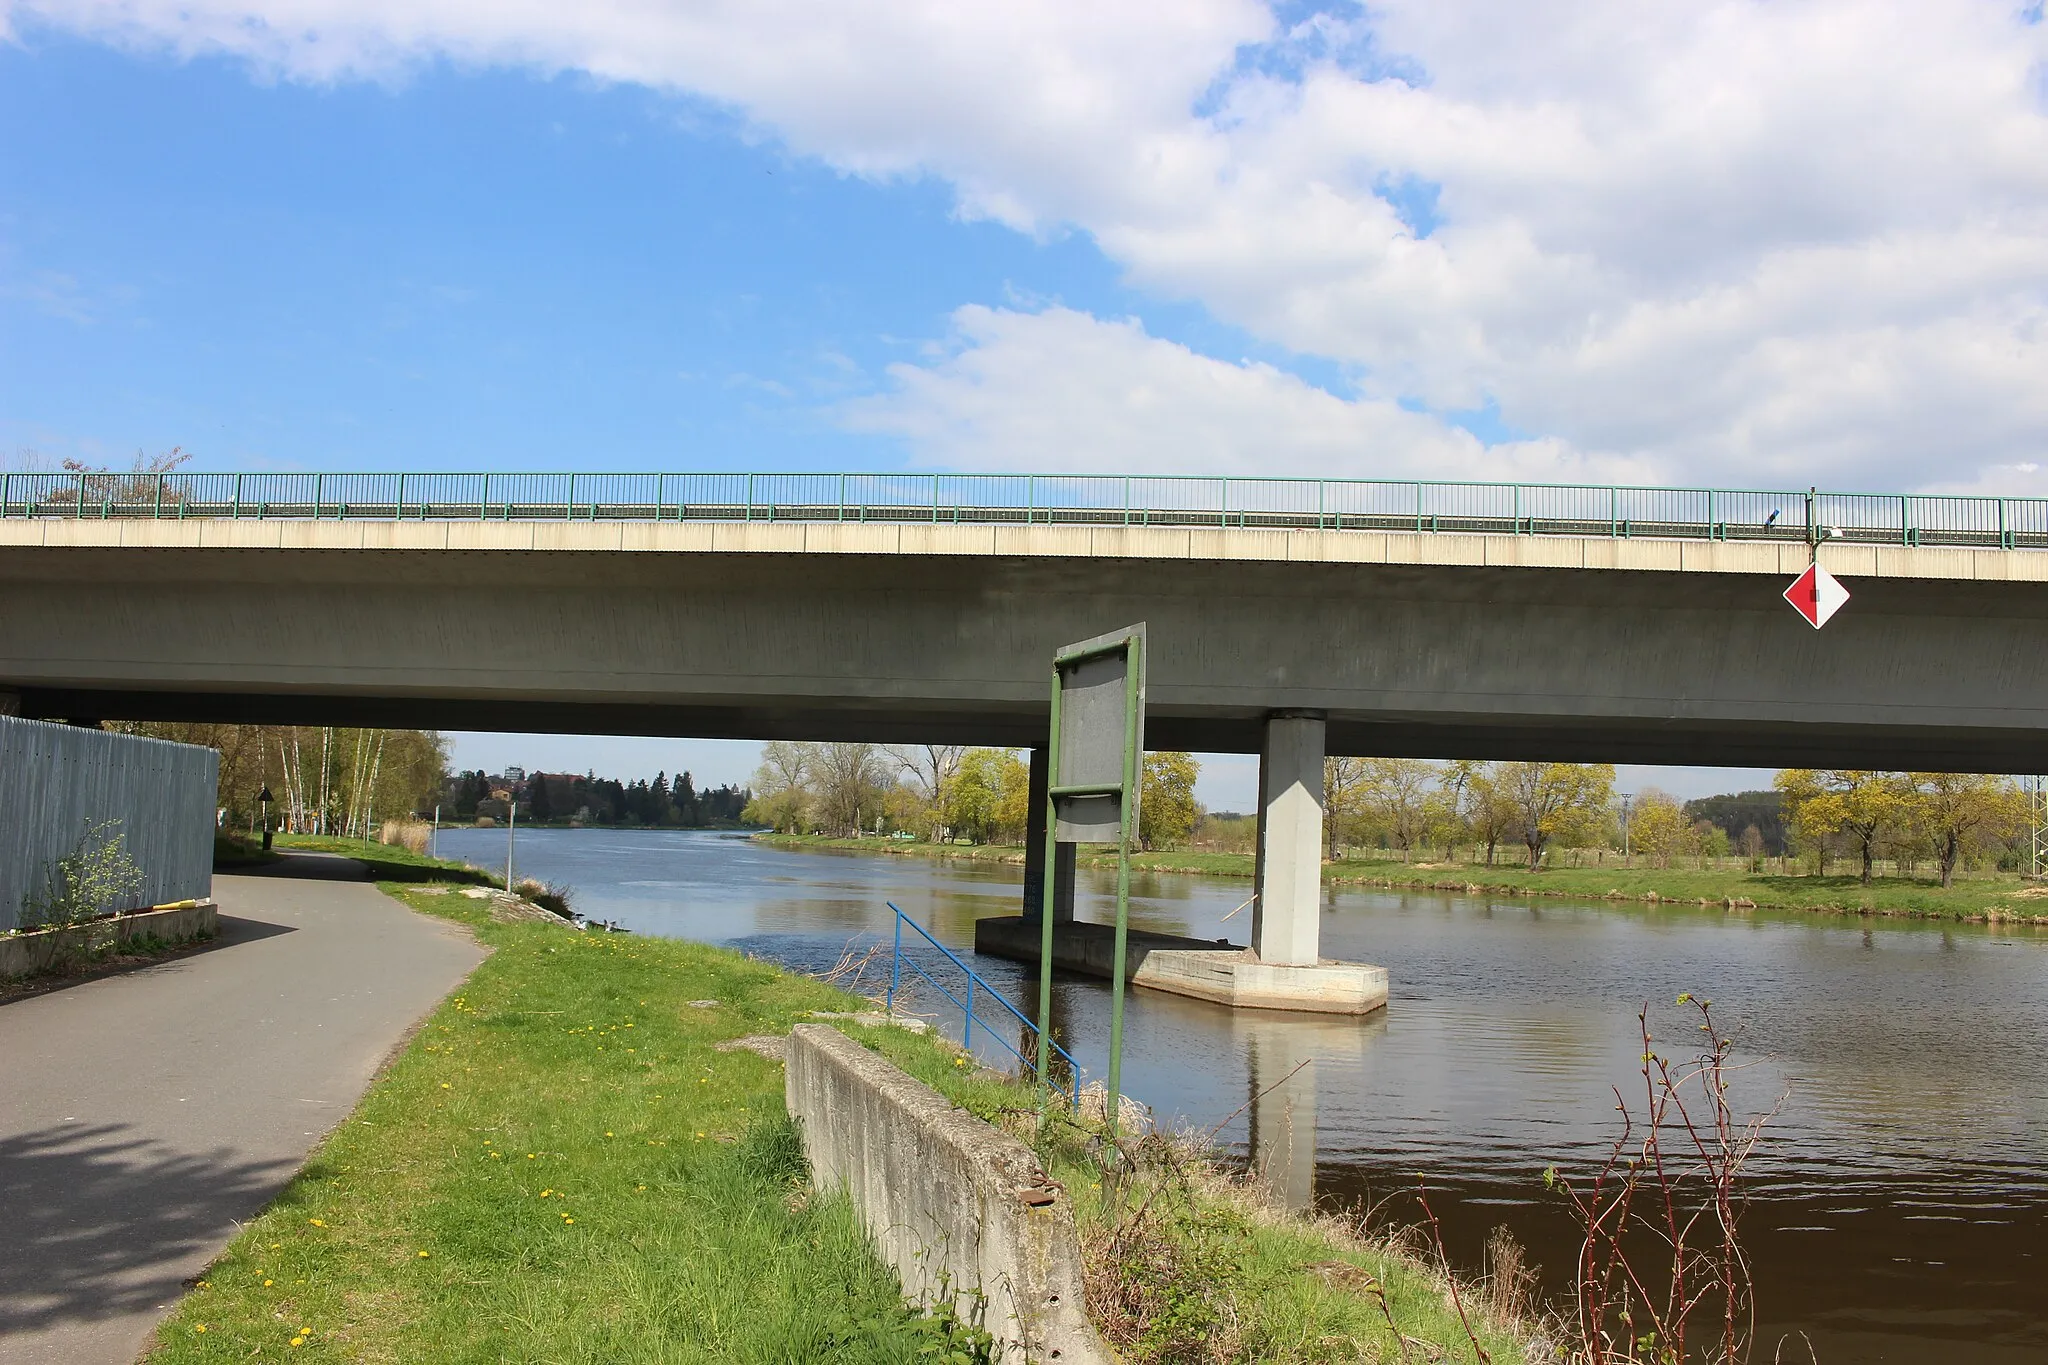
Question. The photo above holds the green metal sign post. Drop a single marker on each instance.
(1096, 748)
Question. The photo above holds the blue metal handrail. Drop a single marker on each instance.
(1095, 500)
(973, 980)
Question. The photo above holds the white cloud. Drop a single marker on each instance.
(1061, 391)
(1786, 240)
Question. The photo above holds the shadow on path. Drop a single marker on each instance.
(357, 867)
(91, 1214)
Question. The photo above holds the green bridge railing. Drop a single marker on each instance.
(1047, 499)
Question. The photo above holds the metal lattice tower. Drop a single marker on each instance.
(2037, 819)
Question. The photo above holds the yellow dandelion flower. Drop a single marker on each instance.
(568, 1220)
(268, 1283)
(317, 1222)
(424, 1255)
(199, 1327)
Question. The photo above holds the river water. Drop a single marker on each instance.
(1898, 1202)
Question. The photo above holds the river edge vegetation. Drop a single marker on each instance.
(564, 1164)
(1985, 899)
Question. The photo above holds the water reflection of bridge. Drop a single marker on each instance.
(1285, 1058)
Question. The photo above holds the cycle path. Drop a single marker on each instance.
(144, 1116)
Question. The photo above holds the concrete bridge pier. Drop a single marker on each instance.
(1034, 851)
(1288, 881)
(1282, 970)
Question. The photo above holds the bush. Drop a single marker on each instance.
(96, 878)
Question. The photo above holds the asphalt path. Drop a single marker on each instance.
(144, 1116)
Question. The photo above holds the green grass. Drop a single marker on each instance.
(587, 1178)
(1999, 897)
(561, 1167)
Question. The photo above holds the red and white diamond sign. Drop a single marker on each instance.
(1816, 595)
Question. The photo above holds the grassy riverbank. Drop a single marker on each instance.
(2001, 899)
(562, 1165)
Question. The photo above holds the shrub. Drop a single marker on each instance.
(96, 878)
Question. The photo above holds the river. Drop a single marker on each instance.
(1898, 1203)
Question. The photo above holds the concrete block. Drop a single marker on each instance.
(246, 534)
(946, 539)
(665, 537)
(1849, 561)
(1740, 556)
(758, 537)
(1219, 972)
(24, 954)
(960, 1210)
(316, 535)
(490, 535)
(1428, 547)
(1138, 542)
(1153, 542)
(1547, 552)
(578, 535)
(1900, 561)
(1664, 556)
(403, 535)
(20, 531)
(1338, 547)
(1259, 544)
(161, 535)
(1050, 541)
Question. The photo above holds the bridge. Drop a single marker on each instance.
(1287, 617)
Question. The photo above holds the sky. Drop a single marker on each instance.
(1734, 242)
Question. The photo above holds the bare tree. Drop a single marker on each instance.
(850, 781)
(930, 768)
(1343, 790)
(1395, 793)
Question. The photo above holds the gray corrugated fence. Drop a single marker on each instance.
(57, 780)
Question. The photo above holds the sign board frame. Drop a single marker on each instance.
(1096, 754)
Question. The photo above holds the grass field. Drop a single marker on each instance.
(1998, 898)
(562, 1167)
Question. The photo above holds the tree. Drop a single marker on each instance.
(1657, 827)
(850, 782)
(987, 796)
(782, 798)
(930, 767)
(1956, 811)
(1736, 811)
(1752, 845)
(1395, 795)
(1866, 806)
(539, 807)
(1166, 808)
(1444, 811)
(1489, 808)
(1343, 800)
(1556, 802)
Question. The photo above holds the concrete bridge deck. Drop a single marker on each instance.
(1434, 645)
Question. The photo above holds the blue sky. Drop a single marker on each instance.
(466, 270)
(1479, 240)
